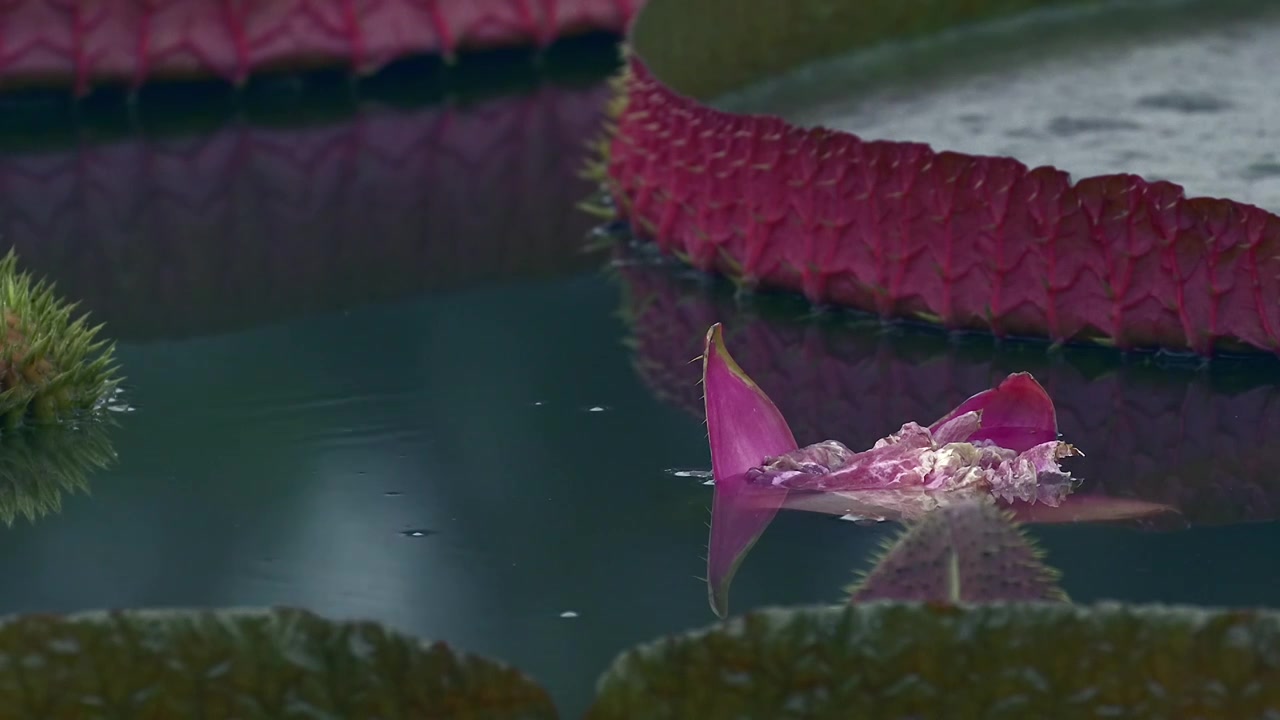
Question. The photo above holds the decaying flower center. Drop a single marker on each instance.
(914, 456)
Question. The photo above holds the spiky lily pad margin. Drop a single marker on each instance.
(51, 367)
(898, 229)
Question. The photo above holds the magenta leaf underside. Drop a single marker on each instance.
(44, 41)
(976, 242)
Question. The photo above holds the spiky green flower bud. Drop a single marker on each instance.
(52, 367)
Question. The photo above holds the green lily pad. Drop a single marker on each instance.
(904, 660)
(971, 551)
(245, 664)
(712, 47)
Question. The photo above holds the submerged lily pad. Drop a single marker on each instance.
(890, 660)
(244, 664)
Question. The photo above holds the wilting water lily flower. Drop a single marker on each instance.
(1002, 440)
(1000, 443)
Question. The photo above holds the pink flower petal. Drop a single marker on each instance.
(1094, 508)
(959, 428)
(1018, 414)
(744, 428)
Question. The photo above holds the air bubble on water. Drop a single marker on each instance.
(568, 614)
(698, 474)
(417, 533)
(538, 403)
(597, 408)
(115, 402)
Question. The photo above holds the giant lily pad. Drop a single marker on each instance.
(908, 660)
(244, 664)
(906, 231)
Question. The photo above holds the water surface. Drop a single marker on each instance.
(450, 419)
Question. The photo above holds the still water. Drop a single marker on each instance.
(373, 373)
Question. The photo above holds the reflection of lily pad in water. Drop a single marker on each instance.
(177, 664)
(247, 223)
(967, 552)
(39, 464)
(892, 660)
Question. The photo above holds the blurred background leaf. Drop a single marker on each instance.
(245, 664)
(905, 660)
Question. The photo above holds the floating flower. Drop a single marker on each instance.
(1001, 443)
(1002, 440)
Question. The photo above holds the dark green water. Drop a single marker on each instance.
(421, 408)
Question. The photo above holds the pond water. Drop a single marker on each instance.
(373, 373)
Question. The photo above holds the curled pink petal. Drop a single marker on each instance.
(744, 429)
(743, 425)
(1017, 414)
(1099, 508)
(958, 428)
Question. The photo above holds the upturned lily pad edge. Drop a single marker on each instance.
(686, 64)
